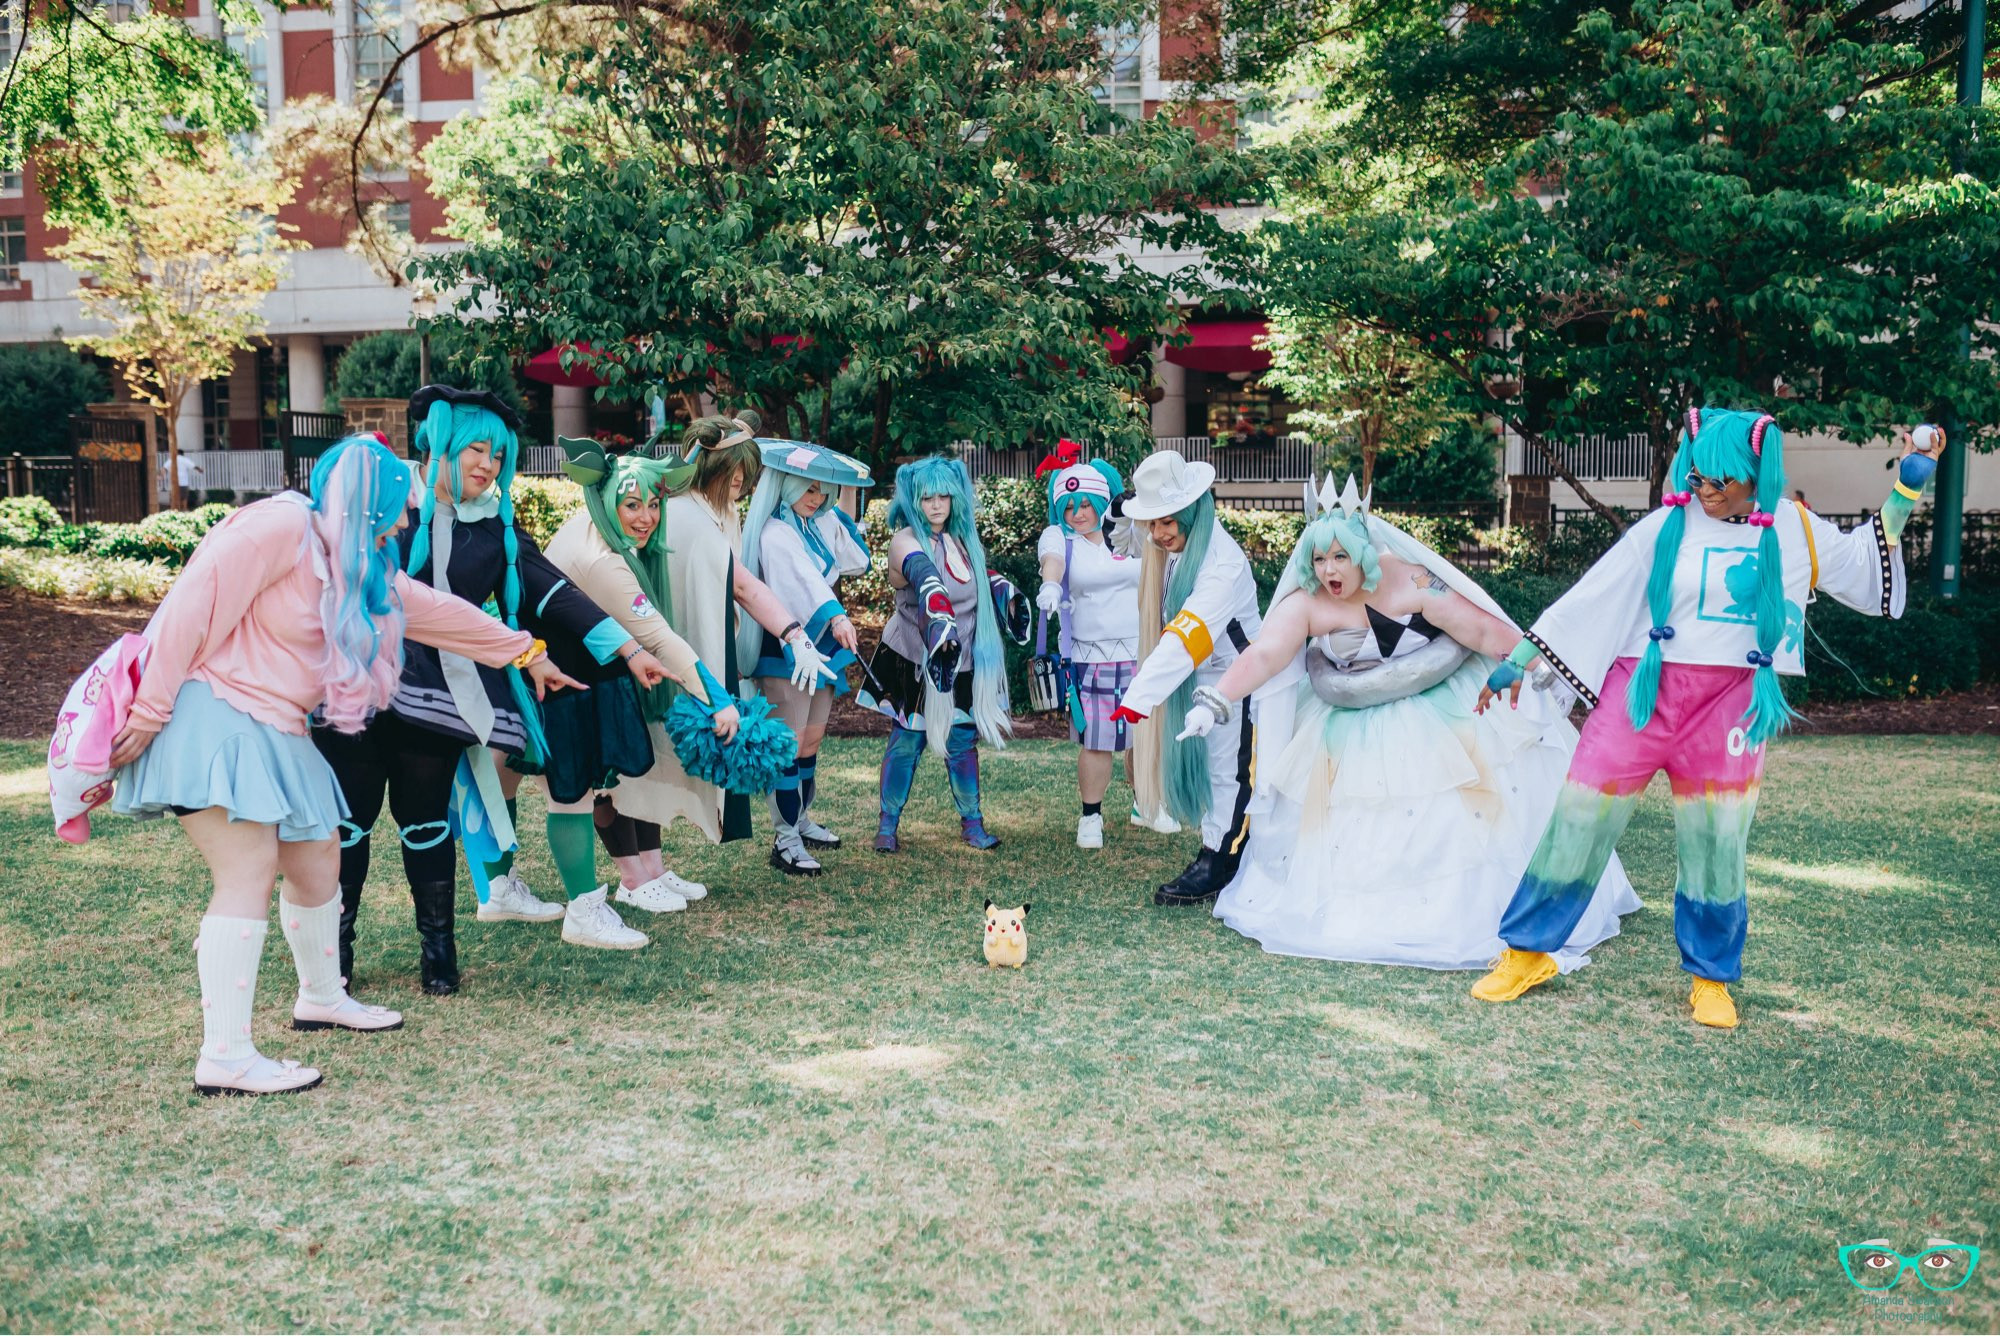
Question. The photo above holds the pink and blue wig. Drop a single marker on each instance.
(359, 492)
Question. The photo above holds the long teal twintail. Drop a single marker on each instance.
(1186, 769)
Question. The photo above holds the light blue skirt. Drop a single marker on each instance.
(211, 754)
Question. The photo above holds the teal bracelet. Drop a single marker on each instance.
(1524, 653)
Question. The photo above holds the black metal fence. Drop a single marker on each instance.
(304, 437)
(104, 491)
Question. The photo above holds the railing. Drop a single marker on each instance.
(239, 471)
(1284, 459)
(540, 461)
(304, 437)
(1591, 458)
(104, 491)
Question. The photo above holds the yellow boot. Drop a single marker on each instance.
(1712, 1004)
(1514, 974)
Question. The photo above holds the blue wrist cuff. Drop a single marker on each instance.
(1916, 470)
(1503, 676)
(718, 695)
(603, 640)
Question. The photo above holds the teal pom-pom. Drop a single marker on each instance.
(751, 764)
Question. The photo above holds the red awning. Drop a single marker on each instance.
(548, 368)
(1223, 345)
(1122, 349)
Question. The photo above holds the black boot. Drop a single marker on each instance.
(1203, 881)
(350, 908)
(437, 904)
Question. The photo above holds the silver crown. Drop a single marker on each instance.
(1324, 498)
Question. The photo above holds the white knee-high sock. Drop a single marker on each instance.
(314, 936)
(226, 957)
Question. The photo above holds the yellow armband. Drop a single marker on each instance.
(1193, 633)
(531, 653)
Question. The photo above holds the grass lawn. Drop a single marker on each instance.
(809, 1105)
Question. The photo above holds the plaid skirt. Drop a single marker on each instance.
(1099, 686)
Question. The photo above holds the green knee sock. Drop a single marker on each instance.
(573, 844)
(505, 864)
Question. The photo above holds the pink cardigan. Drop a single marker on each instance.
(244, 618)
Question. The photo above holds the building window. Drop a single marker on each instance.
(1122, 89)
(215, 414)
(378, 41)
(397, 215)
(8, 36)
(10, 183)
(13, 250)
(253, 49)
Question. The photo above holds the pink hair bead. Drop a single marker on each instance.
(1762, 519)
(1676, 498)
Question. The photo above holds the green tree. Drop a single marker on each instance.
(386, 366)
(95, 104)
(755, 202)
(41, 385)
(1755, 210)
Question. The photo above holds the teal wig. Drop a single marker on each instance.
(1331, 530)
(447, 429)
(1186, 769)
(941, 475)
(1059, 509)
(1740, 445)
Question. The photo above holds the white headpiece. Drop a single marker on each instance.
(1324, 498)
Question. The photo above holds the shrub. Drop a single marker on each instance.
(1012, 514)
(27, 521)
(110, 580)
(1933, 648)
(41, 385)
(542, 504)
(1263, 534)
(169, 536)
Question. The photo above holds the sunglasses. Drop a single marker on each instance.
(1698, 483)
(1945, 1267)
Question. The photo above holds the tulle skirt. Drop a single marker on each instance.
(211, 754)
(1398, 833)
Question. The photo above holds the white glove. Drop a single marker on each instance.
(1049, 596)
(808, 665)
(1201, 722)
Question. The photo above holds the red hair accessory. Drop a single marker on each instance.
(380, 437)
(1068, 452)
(1694, 423)
(1757, 434)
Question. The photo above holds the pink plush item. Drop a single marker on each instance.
(92, 714)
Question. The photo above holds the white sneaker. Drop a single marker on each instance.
(508, 900)
(590, 922)
(655, 897)
(1090, 831)
(254, 1075)
(681, 886)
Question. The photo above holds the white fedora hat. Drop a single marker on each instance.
(1165, 484)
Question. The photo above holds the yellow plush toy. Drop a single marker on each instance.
(1006, 936)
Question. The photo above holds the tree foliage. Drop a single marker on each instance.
(753, 202)
(41, 385)
(387, 366)
(1752, 210)
(178, 273)
(94, 104)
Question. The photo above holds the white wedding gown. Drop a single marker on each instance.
(1395, 834)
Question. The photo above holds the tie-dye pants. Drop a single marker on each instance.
(1696, 735)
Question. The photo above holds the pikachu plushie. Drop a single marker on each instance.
(1006, 936)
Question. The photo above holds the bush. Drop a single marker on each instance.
(169, 536)
(27, 521)
(542, 504)
(1263, 534)
(41, 385)
(1930, 650)
(110, 580)
(1012, 514)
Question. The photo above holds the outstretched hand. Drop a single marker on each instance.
(1200, 723)
(1125, 714)
(547, 677)
(646, 670)
(1505, 679)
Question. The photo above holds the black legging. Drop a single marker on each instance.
(623, 836)
(416, 767)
